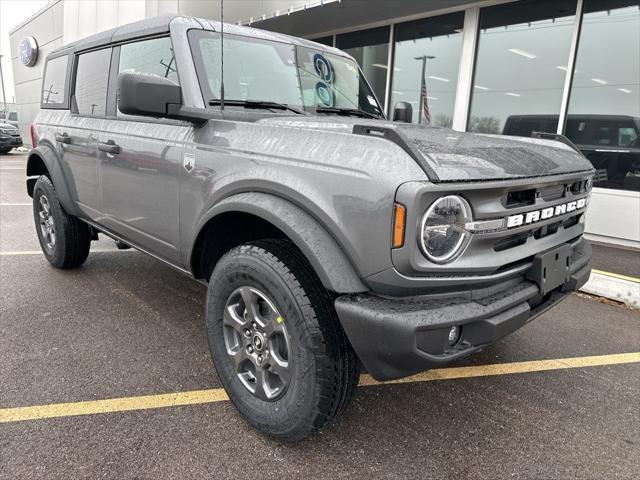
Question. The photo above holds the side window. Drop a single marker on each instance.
(92, 78)
(54, 85)
(152, 57)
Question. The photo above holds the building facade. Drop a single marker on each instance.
(497, 67)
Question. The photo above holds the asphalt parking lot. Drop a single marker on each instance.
(558, 399)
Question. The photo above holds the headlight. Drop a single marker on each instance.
(443, 235)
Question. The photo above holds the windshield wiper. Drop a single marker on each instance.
(346, 111)
(256, 104)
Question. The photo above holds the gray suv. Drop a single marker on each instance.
(329, 237)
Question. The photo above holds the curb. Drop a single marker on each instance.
(614, 287)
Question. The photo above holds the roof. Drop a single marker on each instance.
(161, 24)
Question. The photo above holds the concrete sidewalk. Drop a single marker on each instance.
(615, 274)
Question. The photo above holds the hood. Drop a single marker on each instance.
(447, 155)
(7, 126)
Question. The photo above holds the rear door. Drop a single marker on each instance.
(139, 177)
(79, 136)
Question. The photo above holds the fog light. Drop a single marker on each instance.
(454, 335)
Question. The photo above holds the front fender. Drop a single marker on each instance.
(321, 250)
(45, 154)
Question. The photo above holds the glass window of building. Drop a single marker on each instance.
(328, 41)
(523, 51)
(437, 42)
(370, 48)
(604, 107)
(92, 76)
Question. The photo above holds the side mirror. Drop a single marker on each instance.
(147, 95)
(154, 96)
(402, 112)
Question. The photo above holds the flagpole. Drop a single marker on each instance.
(423, 82)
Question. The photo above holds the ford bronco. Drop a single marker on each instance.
(330, 238)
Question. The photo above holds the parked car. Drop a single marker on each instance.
(328, 236)
(9, 137)
(610, 142)
(10, 117)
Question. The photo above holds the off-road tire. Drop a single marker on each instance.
(72, 235)
(324, 366)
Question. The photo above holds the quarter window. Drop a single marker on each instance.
(92, 77)
(54, 86)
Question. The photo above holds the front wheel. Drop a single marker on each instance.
(276, 342)
(65, 240)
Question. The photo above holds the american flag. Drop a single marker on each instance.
(425, 102)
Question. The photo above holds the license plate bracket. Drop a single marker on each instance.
(550, 269)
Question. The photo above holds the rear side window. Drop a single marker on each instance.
(152, 57)
(54, 85)
(92, 78)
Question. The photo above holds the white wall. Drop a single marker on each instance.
(614, 217)
(86, 17)
(46, 27)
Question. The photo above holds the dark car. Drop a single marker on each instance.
(328, 236)
(610, 142)
(9, 138)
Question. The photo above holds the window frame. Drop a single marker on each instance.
(66, 100)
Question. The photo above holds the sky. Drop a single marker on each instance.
(12, 13)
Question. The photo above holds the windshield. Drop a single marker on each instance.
(329, 80)
(257, 70)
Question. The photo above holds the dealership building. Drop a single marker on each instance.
(497, 67)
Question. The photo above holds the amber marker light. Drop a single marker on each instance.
(399, 219)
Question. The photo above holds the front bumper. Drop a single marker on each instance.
(399, 336)
(10, 141)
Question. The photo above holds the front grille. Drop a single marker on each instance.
(548, 193)
(497, 251)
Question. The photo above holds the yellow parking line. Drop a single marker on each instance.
(616, 275)
(196, 397)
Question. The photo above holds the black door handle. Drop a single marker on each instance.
(63, 138)
(109, 147)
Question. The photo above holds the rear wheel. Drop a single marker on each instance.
(65, 240)
(276, 342)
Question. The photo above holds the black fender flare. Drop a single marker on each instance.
(48, 156)
(327, 258)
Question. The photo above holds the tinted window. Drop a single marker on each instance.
(92, 77)
(521, 63)
(153, 57)
(54, 85)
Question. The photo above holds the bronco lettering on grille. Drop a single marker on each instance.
(545, 213)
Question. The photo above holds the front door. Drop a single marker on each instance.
(139, 160)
